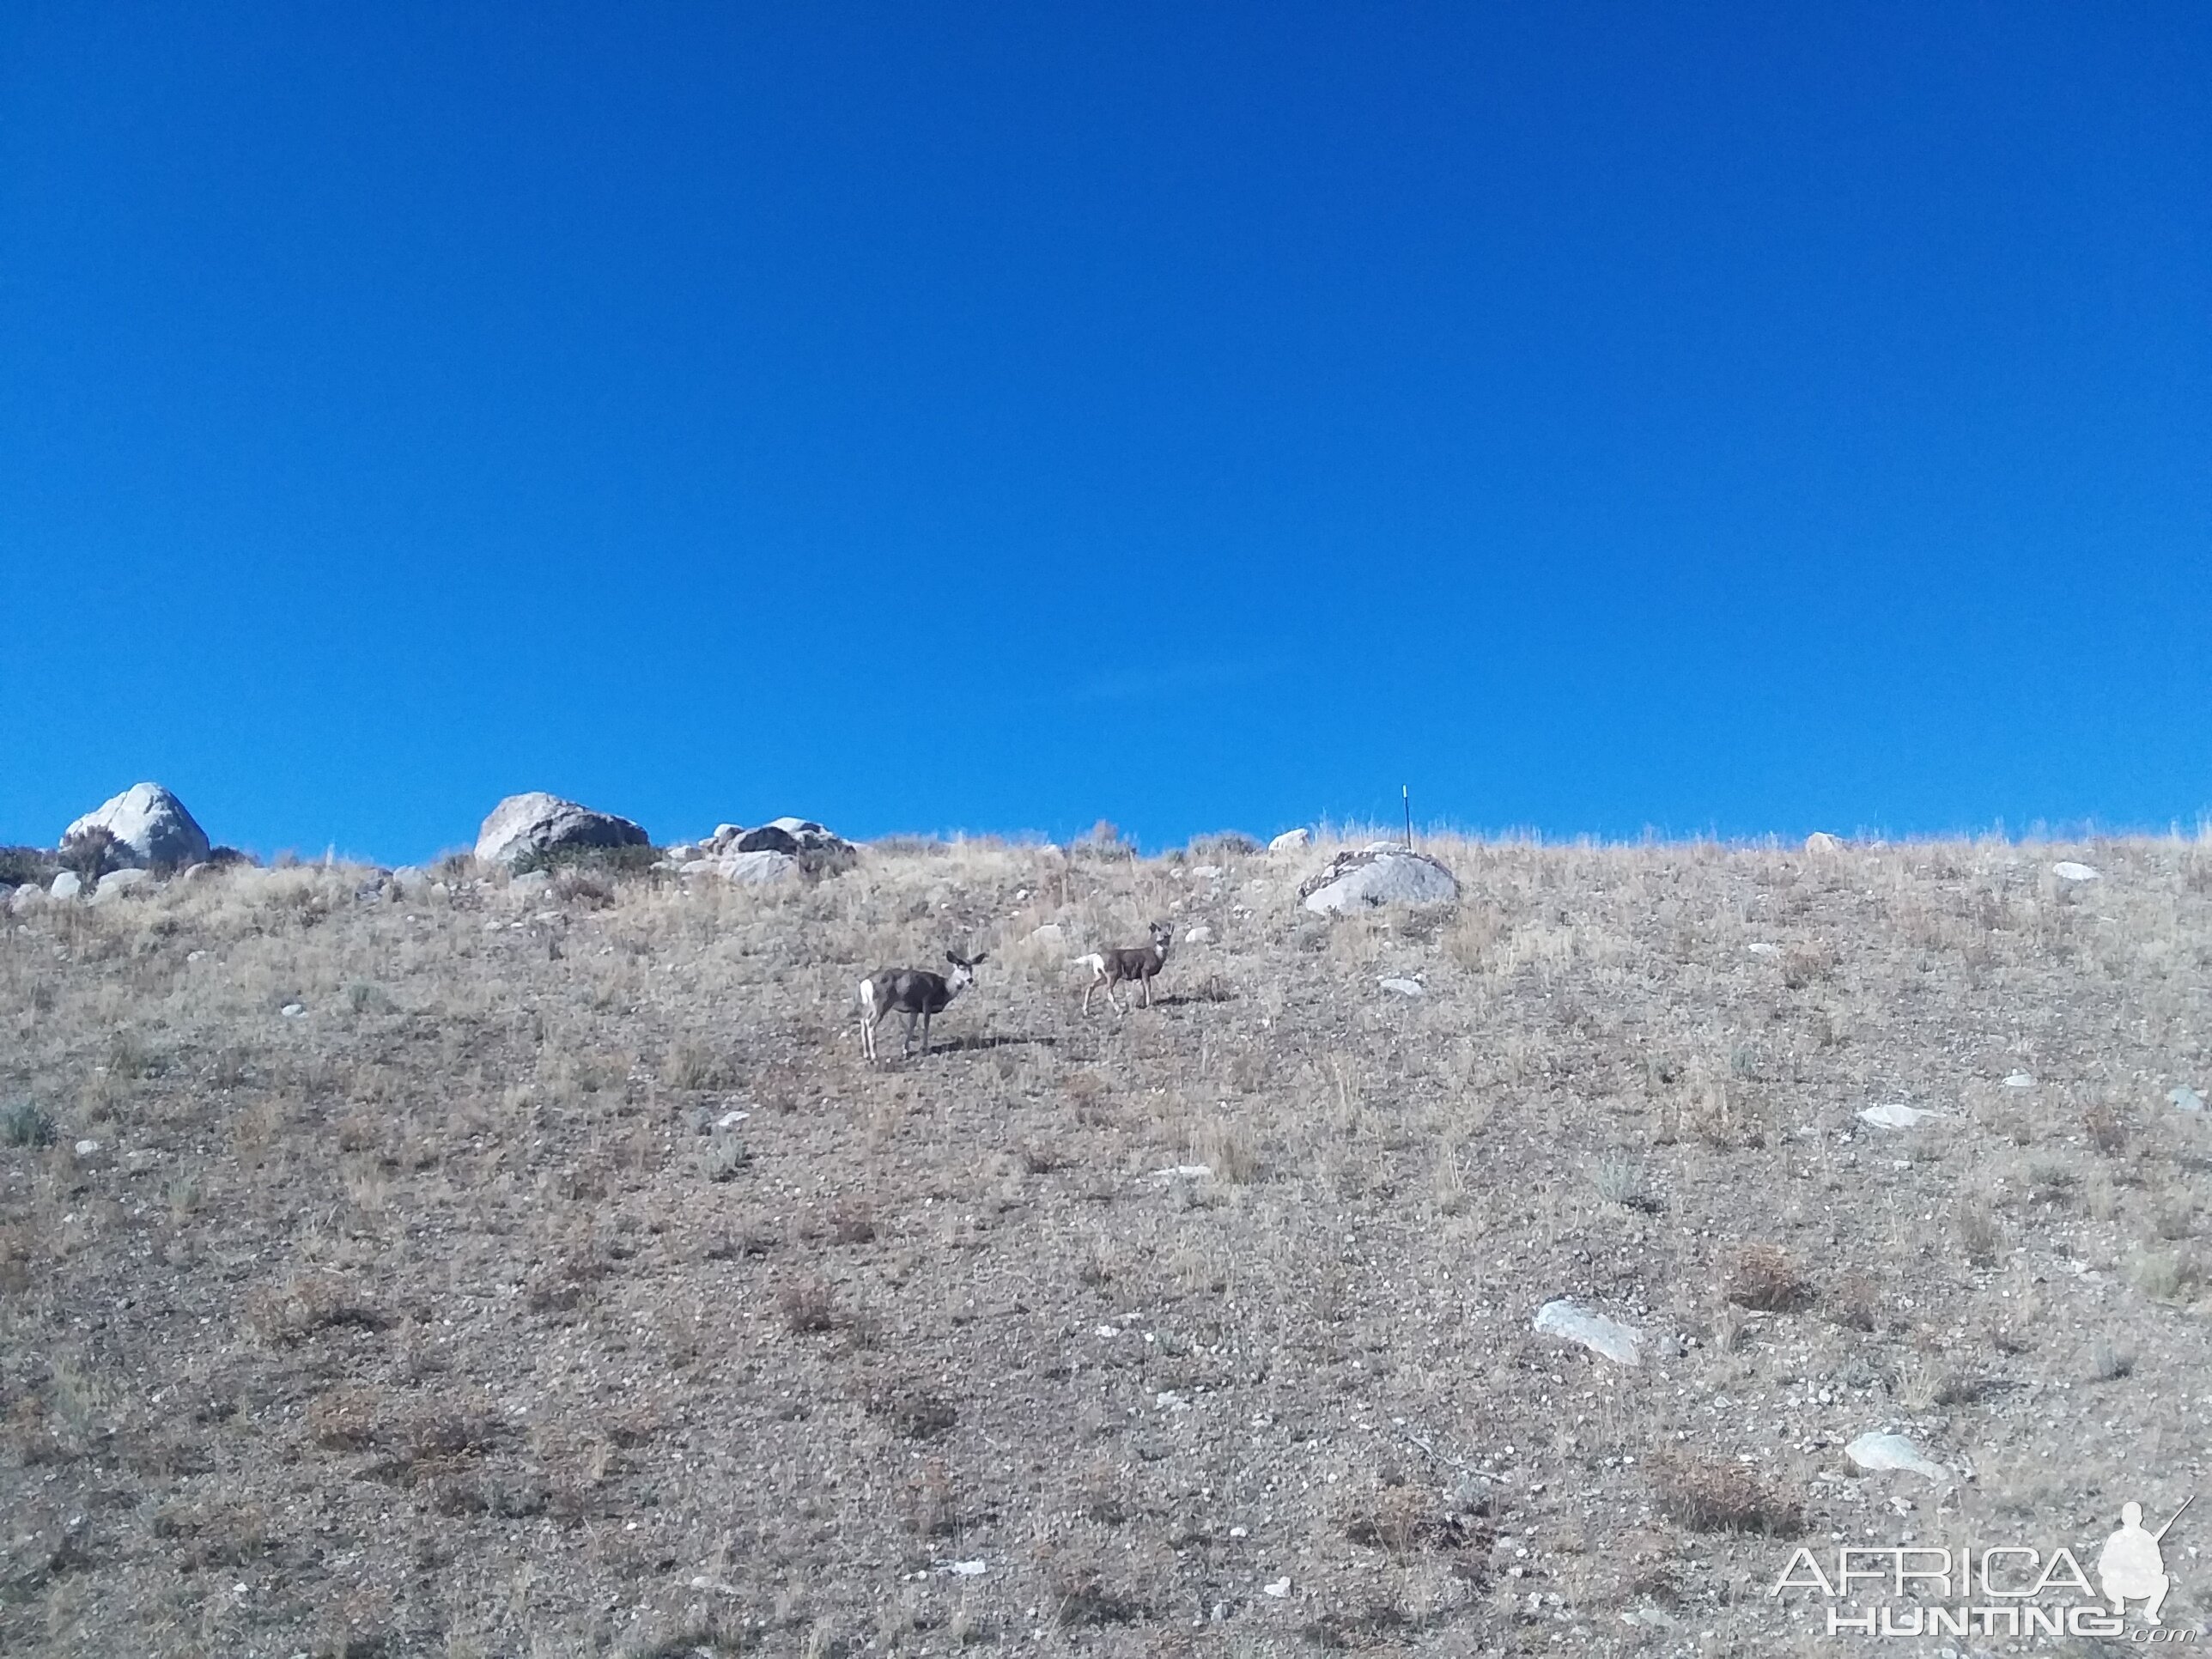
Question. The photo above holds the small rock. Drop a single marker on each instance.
(66, 885)
(1404, 987)
(2019, 1080)
(1764, 948)
(1279, 1588)
(1895, 1115)
(1616, 1341)
(117, 883)
(525, 886)
(2068, 870)
(27, 897)
(1822, 842)
(1290, 840)
(1200, 935)
(1206, 872)
(729, 1118)
(966, 1568)
(88, 1149)
(1892, 1451)
(1168, 1399)
(2186, 1098)
(1051, 934)
(1186, 1172)
(293, 1010)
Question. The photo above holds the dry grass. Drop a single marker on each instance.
(558, 1281)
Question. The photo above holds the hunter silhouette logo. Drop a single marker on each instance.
(2131, 1567)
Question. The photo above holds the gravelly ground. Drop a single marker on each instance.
(440, 1317)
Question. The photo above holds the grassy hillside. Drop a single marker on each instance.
(557, 1278)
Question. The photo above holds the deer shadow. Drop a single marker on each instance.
(970, 1043)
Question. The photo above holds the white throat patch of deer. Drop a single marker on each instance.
(916, 993)
(1139, 963)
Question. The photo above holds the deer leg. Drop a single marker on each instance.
(925, 1034)
(1147, 981)
(1087, 990)
(907, 1047)
(1118, 1008)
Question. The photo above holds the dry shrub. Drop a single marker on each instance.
(807, 1305)
(853, 1221)
(2107, 1131)
(913, 1410)
(1404, 1520)
(1765, 1278)
(1853, 1301)
(306, 1303)
(1979, 1236)
(695, 1066)
(344, 1419)
(1706, 1495)
(1807, 965)
(1230, 1150)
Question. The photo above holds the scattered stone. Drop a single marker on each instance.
(1200, 935)
(1892, 1451)
(2019, 1080)
(537, 823)
(1895, 1115)
(730, 1119)
(1291, 841)
(2067, 870)
(117, 883)
(2186, 1098)
(1051, 935)
(66, 885)
(1186, 1172)
(1404, 987)
(1279, 1588)
(1206, 872)
(150, 826)
(293, 1010)
(1379, 876)
(1766, 948)
(1609, 1337)
(1821, 842)
(966, 1568)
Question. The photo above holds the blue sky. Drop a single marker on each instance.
(1717, 419)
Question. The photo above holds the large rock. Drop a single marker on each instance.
(1378, 876)
(150, 826)
(538, 823)
(118, 884)
(67, 885)
(1291, 841)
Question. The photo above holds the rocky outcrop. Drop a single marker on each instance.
(772, 850)
(150, 826)
(1380, 875)
(539, 822)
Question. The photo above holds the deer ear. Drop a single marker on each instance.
(954, 957)
(977, 960)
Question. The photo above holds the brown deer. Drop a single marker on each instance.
(914, 993)
(1139, 963)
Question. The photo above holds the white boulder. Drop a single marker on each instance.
(759, 869)
(1895, 1114)
(1820, 841)
(150, 826)
(118, 884)
(1609, 1337)
(1378, 876)
(1893, 1451)
(537, 823)
(1290, 840)
(25, 898)
(67, 885)
(2068, 870)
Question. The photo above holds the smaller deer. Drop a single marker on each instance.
(914, 993)
(1139, 963)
